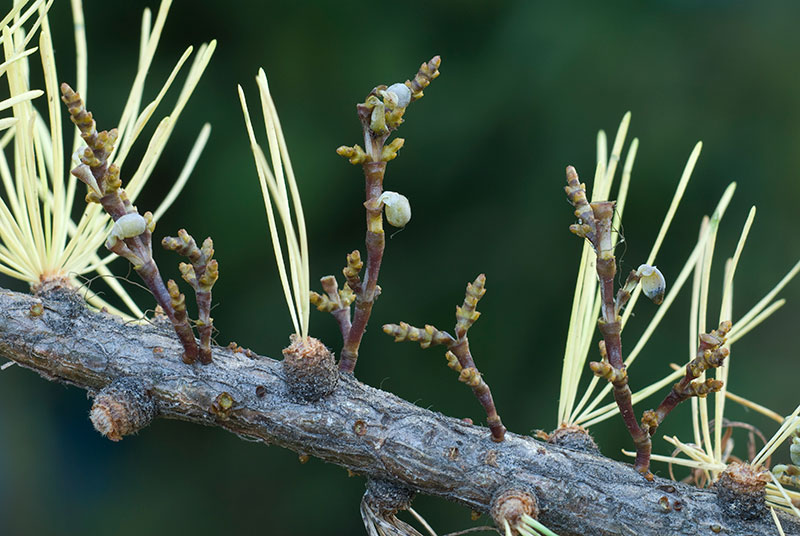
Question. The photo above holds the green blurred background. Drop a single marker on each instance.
(524, 88)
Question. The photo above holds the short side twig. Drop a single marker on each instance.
(334, 301)
(201, 274)
(459, 357)
(710, 354)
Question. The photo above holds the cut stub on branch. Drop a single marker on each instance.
(310, 368)
(122, 408)
(573, 437)
(741, 491)
(459, 357)
(510, 506)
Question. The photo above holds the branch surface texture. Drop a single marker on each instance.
(368, 431)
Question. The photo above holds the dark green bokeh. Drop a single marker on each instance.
(523, 91)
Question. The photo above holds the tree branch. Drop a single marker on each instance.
(368, 431)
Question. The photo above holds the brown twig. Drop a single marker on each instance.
(595, 225)
(380, 114)
(710, 354)
(201, 274)
(459, 357)
(131, 236)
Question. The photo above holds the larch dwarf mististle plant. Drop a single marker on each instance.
(40, 242)
(709, 454)
(42, 245)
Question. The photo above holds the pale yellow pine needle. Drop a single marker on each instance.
(602, 153)
(201, 60)
(784, 494)
(755, 407)
(700, 405)
(81, 86)
(81, 50)
(149, 43)
(721, 372)
(665, 224)
(58, 233)
(791, 423)
(726, 313)
(616, 151)
(766, 299)
(777, 521)
(696, 453)
(597, 183)
(22, 97)
(280, 196)
(609, 410)
(573, 333)
(302, 294)
(264, 175)
(694, 309)
(534, 526)
(698, 458)
(16, 9)
(624, 186)
(17, 57)
(148, 111)
(422, 521)
(188, 167)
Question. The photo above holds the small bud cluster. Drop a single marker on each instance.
(201, 273)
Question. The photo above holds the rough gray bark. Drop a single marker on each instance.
(369, 431)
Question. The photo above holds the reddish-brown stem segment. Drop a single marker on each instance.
(105, 188)
(375, 242)
(710, 354)
(342, 312)
(596, 219)
(459, 357)
(611, 329)
(480, 388)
